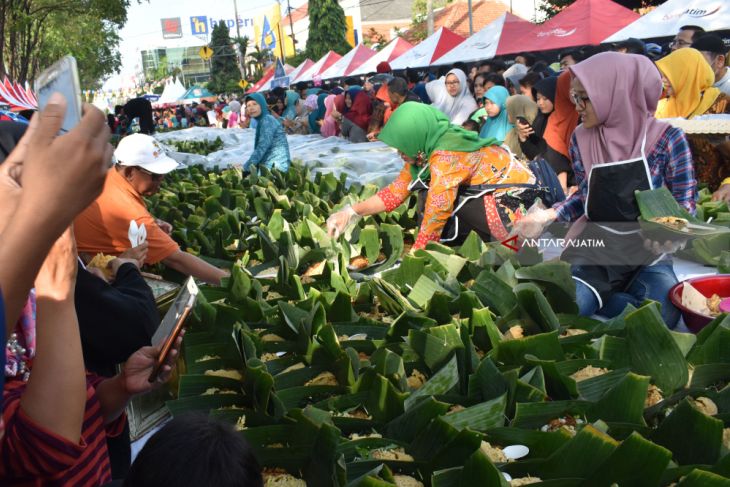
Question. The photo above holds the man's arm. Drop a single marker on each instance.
(191, 265)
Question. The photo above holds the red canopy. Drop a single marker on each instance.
(268, 74)
(583, 22)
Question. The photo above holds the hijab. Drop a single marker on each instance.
(564, 118)
(259, 98)
(311, 102)
(518, 106)
(624, 90)
(417, 128)
(692, 79)
(546, 87)
(290, 110)
(317, 113)
(329, 126)
(456, 108)
(360, 111)
(235, 106)
(516, 69)
(497, 127)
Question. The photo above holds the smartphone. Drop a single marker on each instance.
(173, 323)
(523, 121)
(62, 77)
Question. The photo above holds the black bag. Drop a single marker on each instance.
(546, 182)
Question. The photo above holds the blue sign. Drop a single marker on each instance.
(203, 25)
(280, 82)
(199, 25)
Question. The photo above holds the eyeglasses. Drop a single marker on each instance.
(679, 43)
(452, 83)
(579, 101)
(153, 176)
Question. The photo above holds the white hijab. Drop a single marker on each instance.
(456, 108)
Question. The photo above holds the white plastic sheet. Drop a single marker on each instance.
(370, 162)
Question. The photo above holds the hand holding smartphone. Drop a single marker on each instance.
(62, 77)
(172, 324)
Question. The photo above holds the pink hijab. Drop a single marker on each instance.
(329, 126)
(624, 90)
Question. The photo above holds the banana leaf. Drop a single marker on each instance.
(660, 203)
(653, 351)
(479, 471)
(440, 383)
(494, 292)
(703, 478)
(480, 417)
(691, 436)
(636, 462)
(535, 306)
(545, 346)
(537, 414)
(408, 425)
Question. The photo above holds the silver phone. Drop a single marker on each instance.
(61, 77)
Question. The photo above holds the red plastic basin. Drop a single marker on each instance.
(707, 286)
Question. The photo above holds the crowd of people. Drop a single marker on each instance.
(481, 145)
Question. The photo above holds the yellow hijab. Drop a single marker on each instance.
(691, 78)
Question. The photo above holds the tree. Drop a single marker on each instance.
(224, 73)
(242, 43)
(258, 58)
(327, 29)
(418, 30)
(36, 33)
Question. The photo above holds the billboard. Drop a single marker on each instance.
(171, 28)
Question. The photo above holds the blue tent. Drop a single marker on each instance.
(196, 94)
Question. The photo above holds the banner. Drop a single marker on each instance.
(272, 35)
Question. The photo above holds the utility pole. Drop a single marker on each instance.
(471, 20)
(429, 16)
(239, 54)
(291, 25)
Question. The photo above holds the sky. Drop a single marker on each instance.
(143, 29)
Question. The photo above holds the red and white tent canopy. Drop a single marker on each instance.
(668, 17)
(16, 96)
(581, 23)
(292, 73)
(319, 67)
(391, 51)
(349, 62)
(424, 54)
(266, 78)
(483, 44)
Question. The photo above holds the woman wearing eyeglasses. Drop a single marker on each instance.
(619, 148)
(451, 95)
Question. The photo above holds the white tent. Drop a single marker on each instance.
(172, 92)
(666, 19)
(482, 45)
(395, 48)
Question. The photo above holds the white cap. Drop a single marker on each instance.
(144, 151)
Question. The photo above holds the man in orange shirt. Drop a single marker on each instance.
(104, 225)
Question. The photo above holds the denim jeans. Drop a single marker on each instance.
(653, 283)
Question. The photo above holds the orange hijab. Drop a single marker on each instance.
(563, 120)
(691, 78)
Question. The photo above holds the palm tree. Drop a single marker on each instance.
(242, 43)
(258, 58)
